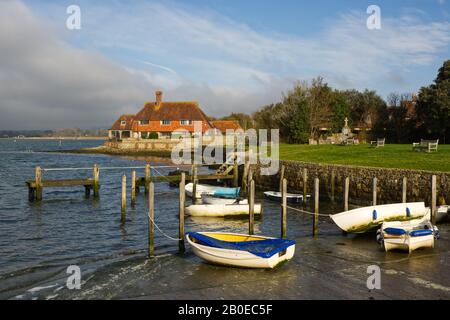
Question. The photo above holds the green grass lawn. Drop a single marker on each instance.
(389, 156)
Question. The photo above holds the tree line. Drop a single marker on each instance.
(310, 107)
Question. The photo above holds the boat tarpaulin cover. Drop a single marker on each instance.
(227, 192)
(262, 248)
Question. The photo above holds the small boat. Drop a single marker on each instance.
(367, 218)
(407, 235)
(221, 210)
(222, 192)
(290, 197)
(442, 214)
(240, 250)
(206, 199)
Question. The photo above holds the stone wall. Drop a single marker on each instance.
(389, 188)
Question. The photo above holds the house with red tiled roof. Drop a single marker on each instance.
(164, 117)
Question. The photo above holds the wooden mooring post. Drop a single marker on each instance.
(281, 177)
(133, 188)
(405, 182)
(316, 207)
(194, 183)
(181, 213)
(147, 177)
(251, 210)
(235, 173)
(38, 180)
(433, 199)
(96, 177)
(305, 185)
(151, 219)
(346, 191)
(123, 206)
(245, 180)
(374, 191)
(284, 208)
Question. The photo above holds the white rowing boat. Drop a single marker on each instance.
(290, 197)
(367, 218)
(206, 199)
(211, 190)
(221, 210)
(407, 235)
(240, 250)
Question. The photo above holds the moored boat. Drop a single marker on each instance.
(240, 250)
(207, 199)
(221, 210)
(407, 235)
(290, 197)
(223, 192)
(442, 214)
(367, 218)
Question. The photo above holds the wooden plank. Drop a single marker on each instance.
(235, 173)
(181, 214)
(151, 218)
(333, 184)
(305, 185)
(194, 183)
(38, 184)
(281, 177)
(62, 183)
(147, 177)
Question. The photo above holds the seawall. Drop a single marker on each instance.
(389, 186)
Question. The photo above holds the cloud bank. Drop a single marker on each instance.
(123, 54)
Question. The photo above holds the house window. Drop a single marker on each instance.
(165, 122)
(186, 122)
(144, 122)
(122, 123)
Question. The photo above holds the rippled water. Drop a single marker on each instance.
(38, 240)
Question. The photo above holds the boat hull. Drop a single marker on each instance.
(206, 199)
(211, 191)
(368, 218)
(237, 258)
(221, 210)
(290, 197)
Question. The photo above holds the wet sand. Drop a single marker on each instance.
(326, 267)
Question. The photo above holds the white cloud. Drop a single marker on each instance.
(191, 54)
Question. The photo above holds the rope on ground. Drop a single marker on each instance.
(162, 232)
(307, 212)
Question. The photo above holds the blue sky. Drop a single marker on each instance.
(229, 55)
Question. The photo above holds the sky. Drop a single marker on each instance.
(230, 55)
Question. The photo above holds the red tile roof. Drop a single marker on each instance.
(128, 125)
(223, 125)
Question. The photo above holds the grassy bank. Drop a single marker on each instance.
(391, 156)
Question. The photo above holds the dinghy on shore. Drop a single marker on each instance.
(221, 210)
(206, 199)
(367, 218)
(407, 235)
(290, 197)
(240, 250)
(222, 192)
(442, 214)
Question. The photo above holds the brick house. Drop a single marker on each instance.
(163, 117)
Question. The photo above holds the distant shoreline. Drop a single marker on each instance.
(55, 138)
(114, 152)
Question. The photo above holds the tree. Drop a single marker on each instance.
(433, 106)
(245, 120)
(341, 111)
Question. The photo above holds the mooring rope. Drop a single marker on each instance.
(307, 212)
(162, 232)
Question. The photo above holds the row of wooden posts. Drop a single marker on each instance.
(250, 191)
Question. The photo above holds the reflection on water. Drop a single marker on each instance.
(39, 239)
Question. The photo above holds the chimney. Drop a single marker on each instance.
(158, 98)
